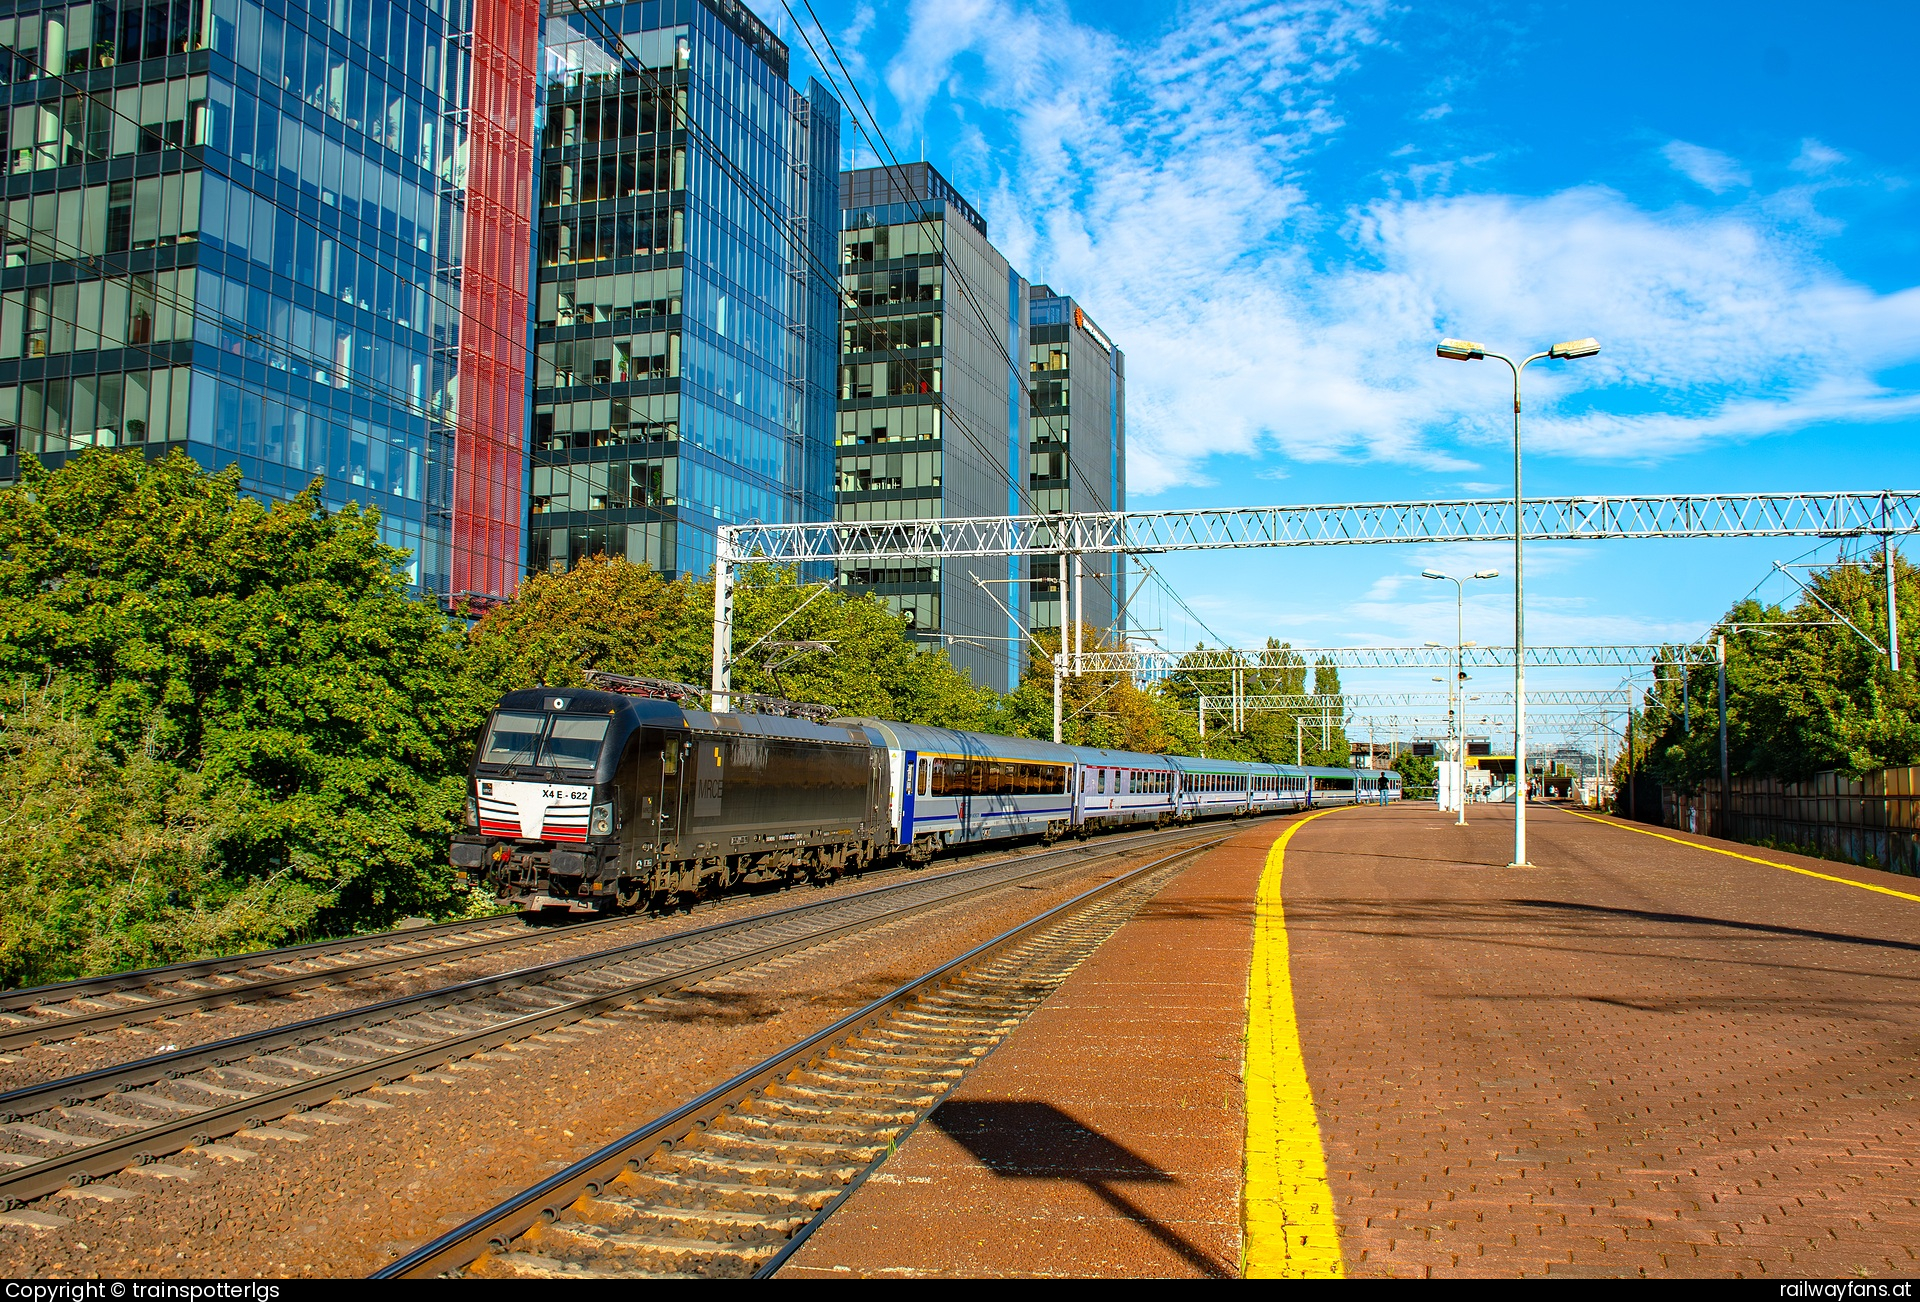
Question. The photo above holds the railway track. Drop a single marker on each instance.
(45, 1014)
(731, 1183)
(95, 1005)
(76, 1129)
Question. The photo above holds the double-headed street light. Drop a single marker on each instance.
(1460, 646)
(1462, 350)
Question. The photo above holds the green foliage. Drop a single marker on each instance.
(1416, 770)
(269, 660)
(1271, 736)
(1107, 709)
(613, 615)
(1803, 695)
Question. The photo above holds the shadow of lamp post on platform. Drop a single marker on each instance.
(1025, 1139)
(1464, 350)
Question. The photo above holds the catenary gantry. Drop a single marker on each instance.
(1590, 518)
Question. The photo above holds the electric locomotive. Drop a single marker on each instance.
(586, 800)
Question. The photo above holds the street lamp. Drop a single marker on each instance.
(1460, 669)
(1463, 350)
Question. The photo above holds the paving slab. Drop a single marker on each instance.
(1638, 1057)
(1646, 1055)
(1103, 1137)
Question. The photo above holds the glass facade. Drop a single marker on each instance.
(239, 227)
(685, 312)
(932, 416)
(1077, 453)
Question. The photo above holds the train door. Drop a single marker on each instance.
(910, 783)
(641, 778)
(672, 788)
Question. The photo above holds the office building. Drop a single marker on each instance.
(1078, 450)
(685, 309)
(933, 405)
(289, 235)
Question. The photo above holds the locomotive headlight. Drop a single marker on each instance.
(602, 824)
(473, 812)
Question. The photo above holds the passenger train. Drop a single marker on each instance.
(589, 801)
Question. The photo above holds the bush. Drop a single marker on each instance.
(293, 721)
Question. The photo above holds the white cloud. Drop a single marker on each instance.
(1708, 168)
(1435, 113)
(1815, 157)
(1163, 185)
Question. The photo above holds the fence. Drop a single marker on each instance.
(1873, 821)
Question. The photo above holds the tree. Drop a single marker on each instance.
(266, 663)
(1804, 693)
(1416, 770)
(613, 615)
(1099, 709)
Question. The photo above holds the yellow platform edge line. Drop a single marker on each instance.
(1735, 854)
(1287, 1223)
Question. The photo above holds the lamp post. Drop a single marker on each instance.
(1463, 350)
(1460, 668)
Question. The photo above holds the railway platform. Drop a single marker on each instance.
(1650, 1054)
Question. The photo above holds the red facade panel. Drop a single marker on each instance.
(490, 437)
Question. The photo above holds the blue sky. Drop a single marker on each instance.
(1276, 209)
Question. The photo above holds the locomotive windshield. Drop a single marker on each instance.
(574, 743)
(512, 738)
(560, 741)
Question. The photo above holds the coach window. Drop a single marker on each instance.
(923, 777)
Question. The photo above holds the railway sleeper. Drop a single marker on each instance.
(774, 1129)
(696, 1161)
(926, 1019)
(531, 1265)
(856, 1084)
(775, 1107)
(749, 1147)
(898, 1065)
(680, 1189)
(716, 1225)
(930, 1039)
(608, 1249)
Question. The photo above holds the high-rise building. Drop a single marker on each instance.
(291, 235)
(1078, 449)
(686, 316)
(933, 404)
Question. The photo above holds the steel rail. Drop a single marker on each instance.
(497, 1227)
(143, 978)
(54, 1027)
(113, 1154)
